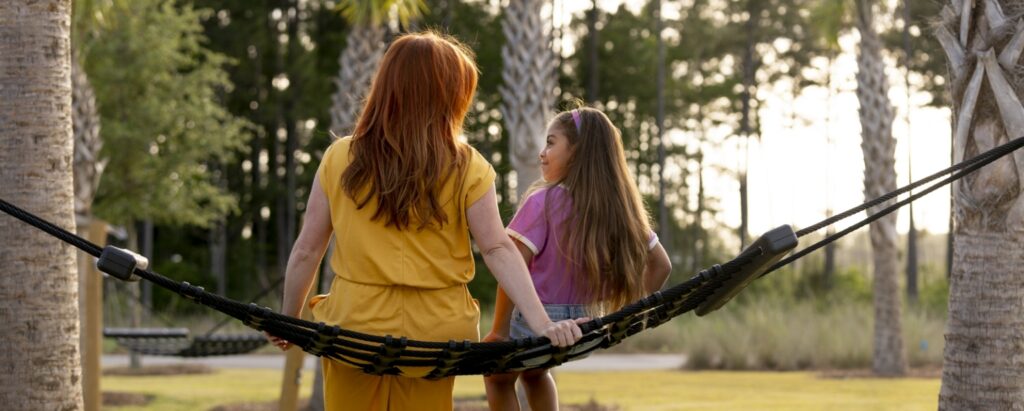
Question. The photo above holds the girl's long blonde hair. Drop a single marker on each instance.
(608, 231)
(404, 146)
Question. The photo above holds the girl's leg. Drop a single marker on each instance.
(540, 390)
(501, 391)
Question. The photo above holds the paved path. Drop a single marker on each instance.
(597, 362)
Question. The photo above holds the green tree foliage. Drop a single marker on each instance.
(925, 59)
(705, 49)
(376, 11)
(152, 84)
(286, 54)
(158, 88)
(904, 25)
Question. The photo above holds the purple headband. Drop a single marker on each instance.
(576, 119)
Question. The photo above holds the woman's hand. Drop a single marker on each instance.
(564, 333)
(277, 342)
(495, 337)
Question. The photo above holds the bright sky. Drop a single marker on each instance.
(795, 175)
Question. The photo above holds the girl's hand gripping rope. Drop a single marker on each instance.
(564, 333)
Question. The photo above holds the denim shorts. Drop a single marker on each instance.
(518, 327)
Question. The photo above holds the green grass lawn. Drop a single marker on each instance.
(200, 392)
(654, 390)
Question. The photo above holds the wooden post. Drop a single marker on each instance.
(92, 323)
(293, 360)
(292, 378)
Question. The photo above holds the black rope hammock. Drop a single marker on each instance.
(178, 342)
(388, 355)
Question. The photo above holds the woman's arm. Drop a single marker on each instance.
(507, 265)
(306, 254)
(503, 305)
(657, 269)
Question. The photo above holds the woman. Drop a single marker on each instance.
(401, 197)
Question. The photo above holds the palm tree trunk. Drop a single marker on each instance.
(88, 165)
(876, 117)
(528, 87)
(983, 362)
(39, 287)
(358, 63)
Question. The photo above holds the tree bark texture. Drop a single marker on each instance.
(983, 362)
(40, 367)
(878, 145)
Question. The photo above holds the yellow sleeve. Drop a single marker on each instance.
(332, 165)
(479, 177)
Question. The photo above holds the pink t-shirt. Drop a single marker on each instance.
(539, 224)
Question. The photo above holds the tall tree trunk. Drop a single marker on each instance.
(912, 231)
(700, 244)
(663, 224)
(593, 77)
(287, 213)
(912, 260)
(745, 128)
(527, 90)
(146, 248)
(829, 271)
(828, 274)
(876, 117)
(358, 63)
(218, 255)
(983, 362)
(134, 296)
(39, 287)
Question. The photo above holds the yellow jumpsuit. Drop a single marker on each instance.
(408, 283)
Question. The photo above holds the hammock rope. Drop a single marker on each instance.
(387, 355)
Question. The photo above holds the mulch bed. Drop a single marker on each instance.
(124, 399)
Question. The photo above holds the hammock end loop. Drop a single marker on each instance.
(754, 260)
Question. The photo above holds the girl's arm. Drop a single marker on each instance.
(503, 305)
(306, 254)
(508, 268)
(657, 269)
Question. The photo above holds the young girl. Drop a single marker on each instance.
(585, 236)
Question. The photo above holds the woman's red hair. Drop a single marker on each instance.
(404, 146)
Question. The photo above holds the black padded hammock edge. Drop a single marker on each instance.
(176, 342)
(384, 355)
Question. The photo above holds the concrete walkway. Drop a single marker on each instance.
(596, 362)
